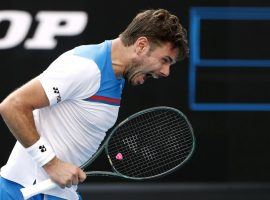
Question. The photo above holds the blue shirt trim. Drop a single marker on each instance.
(110, 86)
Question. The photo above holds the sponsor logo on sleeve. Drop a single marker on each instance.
(42, 148)
(56, 91)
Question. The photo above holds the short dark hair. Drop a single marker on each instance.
(158, 26)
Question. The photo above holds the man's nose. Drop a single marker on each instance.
(165, 70)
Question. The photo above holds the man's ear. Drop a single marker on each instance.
(142, 45)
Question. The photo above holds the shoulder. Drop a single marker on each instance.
(98, 53)
(74, 66)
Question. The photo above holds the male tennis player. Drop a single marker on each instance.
(60, 117)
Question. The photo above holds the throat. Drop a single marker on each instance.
(118, 70)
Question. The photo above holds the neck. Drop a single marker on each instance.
(119, 55)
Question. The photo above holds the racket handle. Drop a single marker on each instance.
(43, 186)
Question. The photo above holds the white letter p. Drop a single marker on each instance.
(56, 23)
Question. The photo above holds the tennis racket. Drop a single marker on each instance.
(149, 144)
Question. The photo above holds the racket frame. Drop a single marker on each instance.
(116, 173)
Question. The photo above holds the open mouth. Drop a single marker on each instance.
(140, 78)
(148, 75)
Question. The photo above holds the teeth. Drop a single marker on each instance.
(151, 75)
(154, 76)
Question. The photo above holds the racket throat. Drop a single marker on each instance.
(102, 173)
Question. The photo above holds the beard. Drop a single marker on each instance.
(134, 68)
(136, 71)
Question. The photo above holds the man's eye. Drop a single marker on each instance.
(164, 60)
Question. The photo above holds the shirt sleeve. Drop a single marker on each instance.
(70, 77)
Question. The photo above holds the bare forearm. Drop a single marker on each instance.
(19, 119)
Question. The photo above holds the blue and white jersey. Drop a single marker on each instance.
(84, 96)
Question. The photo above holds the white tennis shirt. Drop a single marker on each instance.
(84, 97)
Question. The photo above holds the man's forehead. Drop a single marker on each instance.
(170, 47)
(167, 50)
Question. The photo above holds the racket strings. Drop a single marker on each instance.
(141, 123)
(159, 140)
(143, 148)
(173, 145)
(151, 144)
(158, 169)
(150, 128)
(162, 162)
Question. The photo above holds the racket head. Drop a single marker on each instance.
(151, 146)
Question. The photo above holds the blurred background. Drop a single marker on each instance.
(222, 87)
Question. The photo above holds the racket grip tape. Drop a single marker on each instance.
(38, 188)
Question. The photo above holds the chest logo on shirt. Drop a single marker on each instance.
(56, 91)
(42, 148)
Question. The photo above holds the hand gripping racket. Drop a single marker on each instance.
(149, 144)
